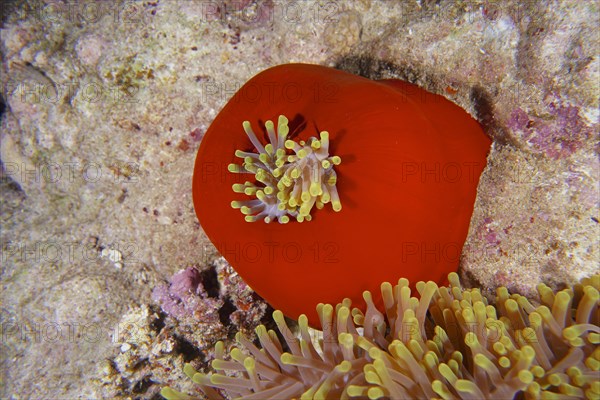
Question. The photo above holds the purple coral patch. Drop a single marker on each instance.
(488, 233)
(559, 134)
(185, 296)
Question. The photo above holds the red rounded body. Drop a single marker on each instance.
(411, 162)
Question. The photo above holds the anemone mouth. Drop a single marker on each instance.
(292, 178)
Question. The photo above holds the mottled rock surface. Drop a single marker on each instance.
(105, 106)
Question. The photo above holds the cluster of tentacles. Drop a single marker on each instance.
(287, 185)
(448, 343)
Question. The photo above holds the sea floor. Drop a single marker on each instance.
(105, 104)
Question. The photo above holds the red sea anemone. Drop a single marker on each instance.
(410, 165)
